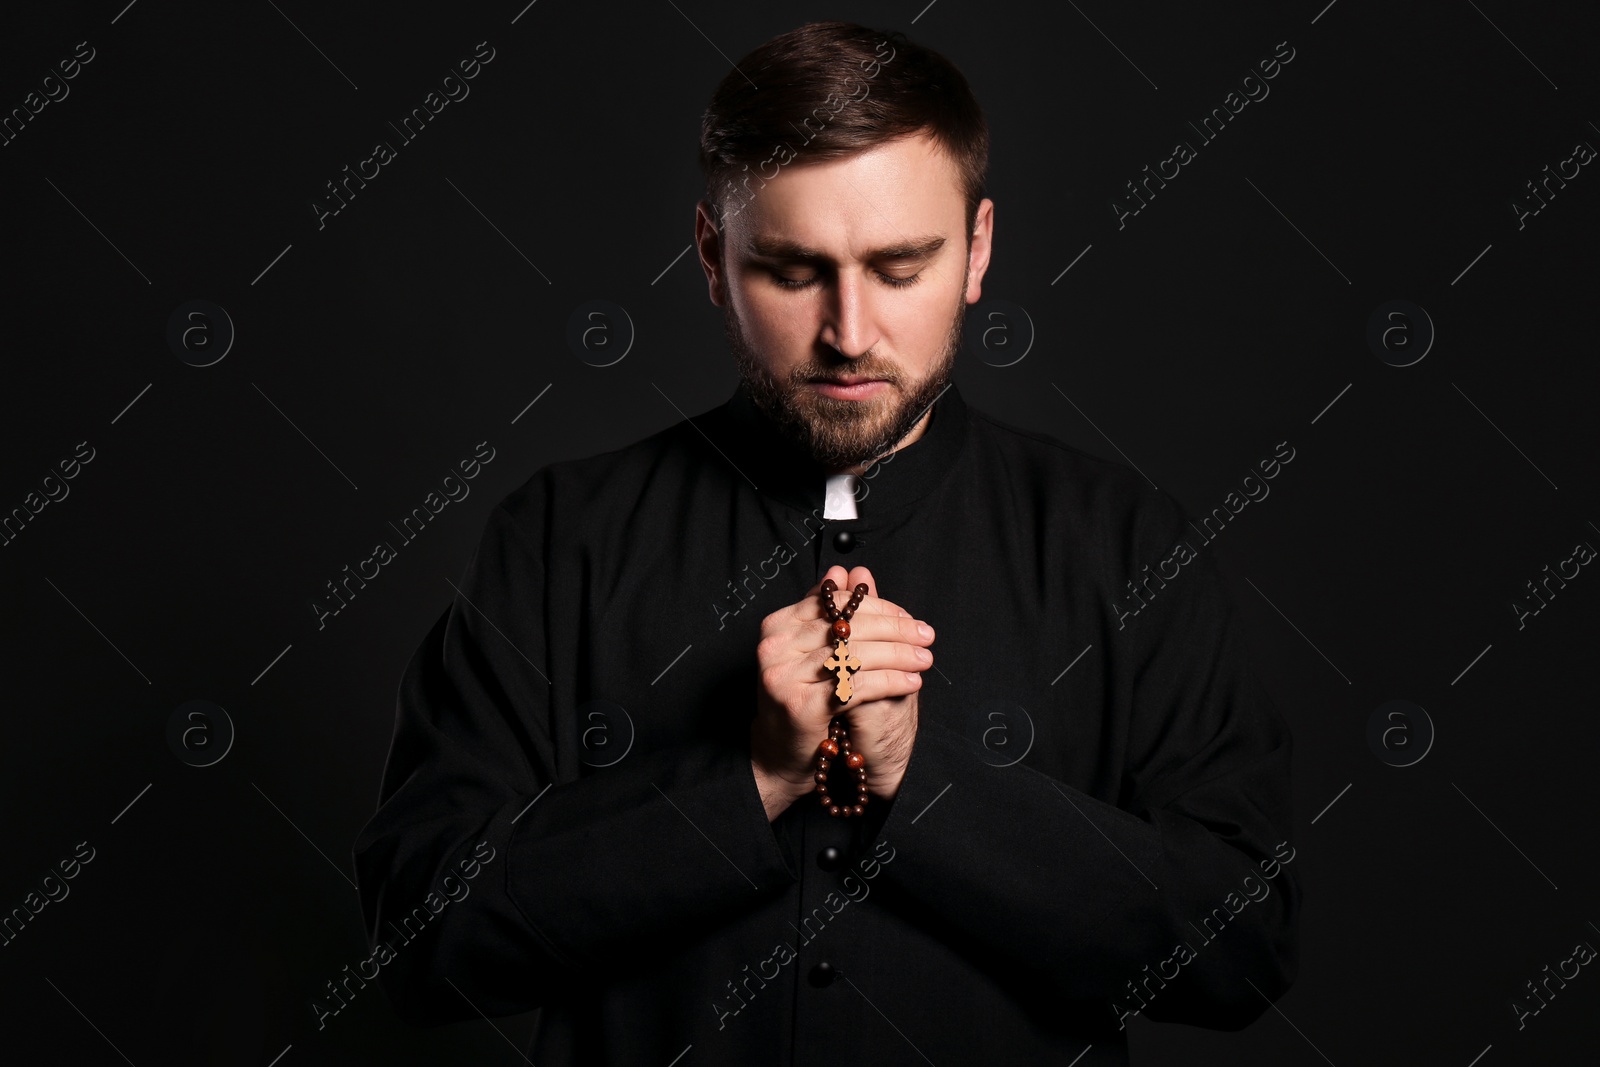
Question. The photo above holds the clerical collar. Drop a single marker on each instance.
(778, 468)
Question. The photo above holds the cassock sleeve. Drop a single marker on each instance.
(518, 874)
(1084, 895)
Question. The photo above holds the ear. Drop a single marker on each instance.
(978, 254)
(708, 244)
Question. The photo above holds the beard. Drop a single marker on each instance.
(835, 433)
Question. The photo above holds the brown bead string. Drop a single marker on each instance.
(838, 741)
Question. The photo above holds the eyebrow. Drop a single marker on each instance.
(783, 248)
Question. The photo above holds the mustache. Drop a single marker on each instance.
(860, 368)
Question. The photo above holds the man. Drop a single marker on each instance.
(1066, 806)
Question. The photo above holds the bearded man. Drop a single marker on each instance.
(916, 788)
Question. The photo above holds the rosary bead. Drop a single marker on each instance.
(838, 740)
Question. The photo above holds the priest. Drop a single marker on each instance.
(906, 793)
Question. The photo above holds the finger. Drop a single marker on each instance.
(875, 657)
(809, 608)
(886, 655)
(861, 574)
(873, 602)
(868, 686)
(876, 605)
(840, 576)
(887, 626)
(845, 584)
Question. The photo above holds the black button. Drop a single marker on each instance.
(830, 859)
(844, 541)
(822, 974)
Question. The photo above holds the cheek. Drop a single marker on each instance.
(776, 325)
(922, 330)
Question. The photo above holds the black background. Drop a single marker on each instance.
(1222, 319)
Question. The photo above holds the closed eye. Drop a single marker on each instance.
(806, 283)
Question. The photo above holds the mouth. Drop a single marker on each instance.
(849, 388)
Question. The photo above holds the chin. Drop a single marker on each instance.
(844, 433)
(855, 412)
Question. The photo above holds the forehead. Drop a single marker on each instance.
(901, 190)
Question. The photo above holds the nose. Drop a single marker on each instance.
(848, 327)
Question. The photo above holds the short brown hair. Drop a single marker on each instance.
(828, 90)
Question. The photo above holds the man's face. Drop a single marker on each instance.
(856, 269)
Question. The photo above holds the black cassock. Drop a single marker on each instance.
(1093, 824)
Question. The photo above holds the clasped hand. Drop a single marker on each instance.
(795, 698)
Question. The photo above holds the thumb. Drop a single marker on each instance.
(858, 575)
(840, 576)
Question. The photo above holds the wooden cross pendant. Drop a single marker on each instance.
(842, 662)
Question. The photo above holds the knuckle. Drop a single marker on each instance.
(771, 678)
(815, 659)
